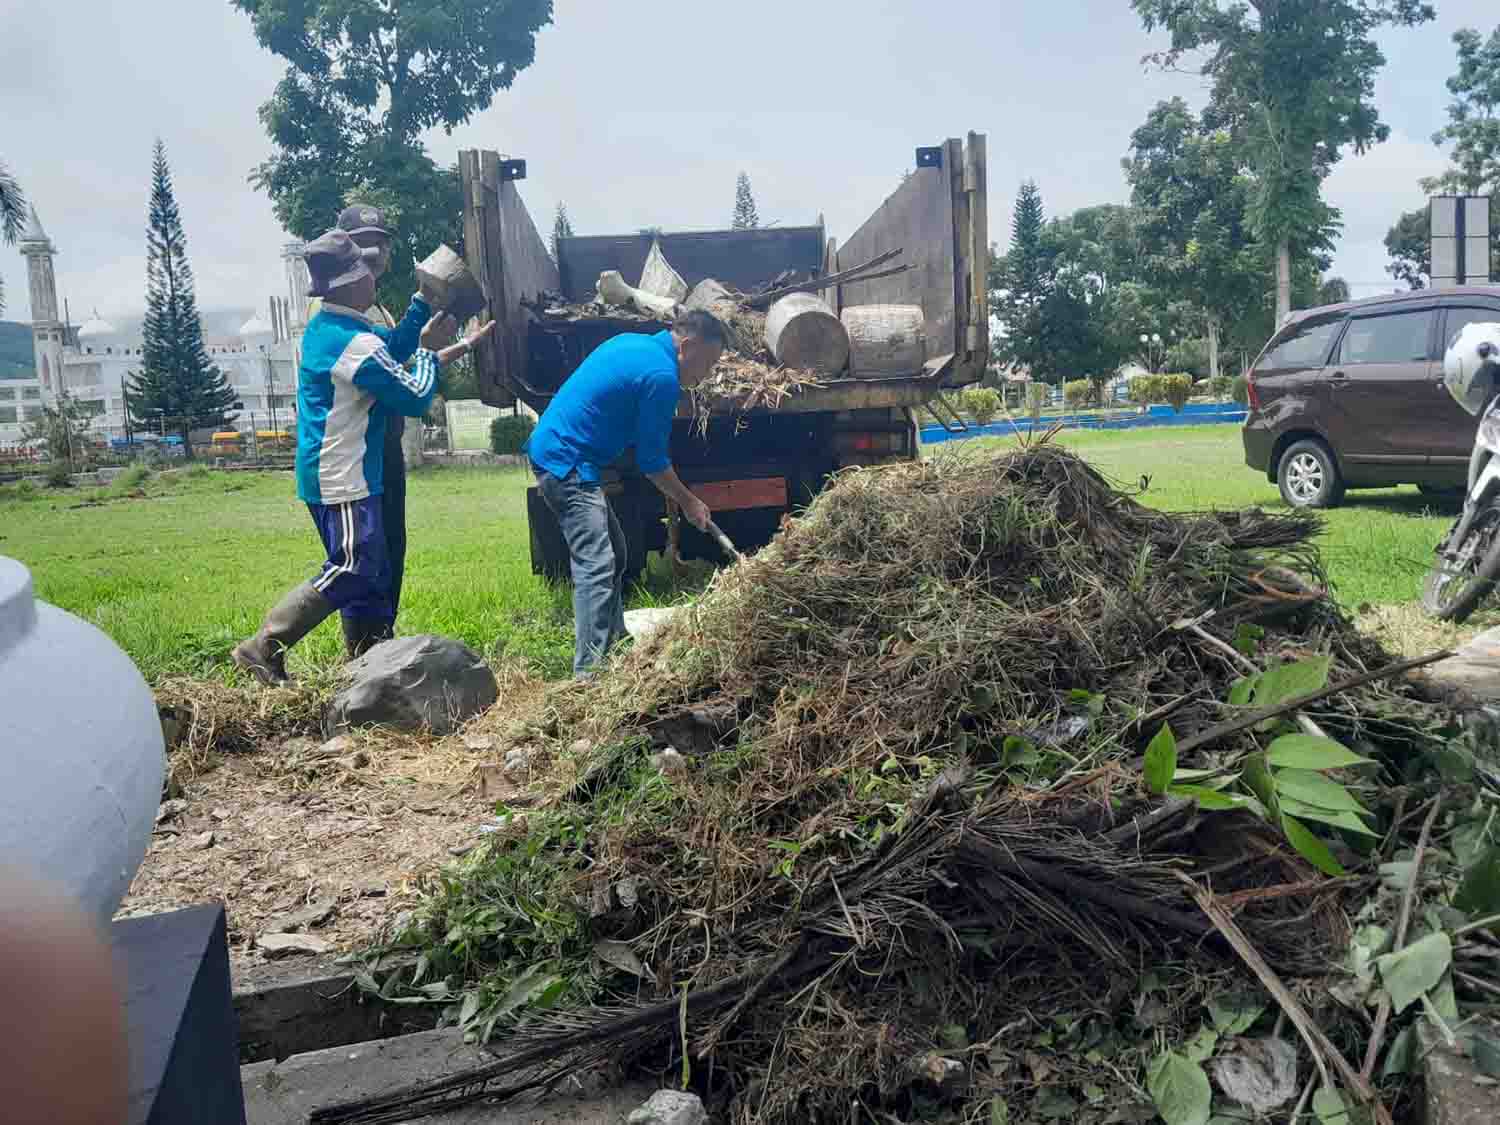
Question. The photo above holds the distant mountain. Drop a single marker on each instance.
(16, 355)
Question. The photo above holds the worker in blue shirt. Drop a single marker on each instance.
(351, 380)
(624, 394)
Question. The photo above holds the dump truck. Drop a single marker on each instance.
(751, 467)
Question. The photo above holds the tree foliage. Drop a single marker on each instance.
(177, 385)
(562, 227)
(745, 215)
(1293, 81)
(365, 80)
(12, 216)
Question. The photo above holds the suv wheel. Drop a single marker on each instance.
(1308, 476)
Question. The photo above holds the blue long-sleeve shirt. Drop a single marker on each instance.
(351, 380)
(625, 393)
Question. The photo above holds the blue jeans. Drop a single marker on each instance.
(597, 548)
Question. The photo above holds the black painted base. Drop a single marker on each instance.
(179, 1016)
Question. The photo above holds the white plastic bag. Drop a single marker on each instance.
(659, 278)
(614, 291)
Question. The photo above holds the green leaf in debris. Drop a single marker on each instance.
(1257, 778)
(1281, 682)
(1402, 1057)
(1200, 1047)
(619, 955)
(1241, 691)
(1161, 760)
(1479, 893)
(955, 1036)
(999, 1111)
(366, 983)
(527, 988)
(1234, 1014)
(1247, 637)
(1313, 788)
(1329, 1105)
(1180, 1089)
(469, 1010)
(1309, 752)
(1369, 943)
(1444, 1001)
(1396, 874)
(1304, 811)
(1484, 1049)
(1310, 847)
(1415, 969)
(1210, 799)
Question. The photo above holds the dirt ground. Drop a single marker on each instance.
(339, 833)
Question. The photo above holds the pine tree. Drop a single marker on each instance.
(745, 216)
(562, 228)
(1025, 258)
(177, 386)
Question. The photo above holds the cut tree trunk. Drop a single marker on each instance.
(802, 332)
(1283, 282)
(885, 339)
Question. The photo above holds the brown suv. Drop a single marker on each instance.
(1351, 396)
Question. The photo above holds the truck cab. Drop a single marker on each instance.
(754, 464)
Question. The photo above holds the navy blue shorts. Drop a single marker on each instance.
(357, 576)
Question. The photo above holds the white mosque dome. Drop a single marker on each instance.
(255, 326)
(96, 327)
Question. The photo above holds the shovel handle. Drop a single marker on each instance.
(724, 541)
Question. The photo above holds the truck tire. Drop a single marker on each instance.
(1308, 476)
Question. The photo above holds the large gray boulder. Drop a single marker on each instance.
(413, 683)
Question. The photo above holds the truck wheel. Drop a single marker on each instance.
(1309, 476)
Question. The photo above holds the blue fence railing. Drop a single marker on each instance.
(1193, 414)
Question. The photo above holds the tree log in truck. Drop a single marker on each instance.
(751, 465)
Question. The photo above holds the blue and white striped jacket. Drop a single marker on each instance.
(350, 382)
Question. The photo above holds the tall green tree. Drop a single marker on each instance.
(1019, 282)
(365, 80)
(1294, 80)
(745, 215)
(1191, 188)
(177, 387)
(12, 215)
(1473, 130)
(1408, 246)
(562, 227)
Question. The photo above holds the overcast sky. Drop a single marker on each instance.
(641, 115)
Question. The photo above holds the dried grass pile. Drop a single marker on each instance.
(905, 863)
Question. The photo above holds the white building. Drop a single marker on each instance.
(92, 361)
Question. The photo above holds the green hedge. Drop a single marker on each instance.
(510, 432)
(982, 403)
(1177, 389)
(1240, 390)
(1078, 393)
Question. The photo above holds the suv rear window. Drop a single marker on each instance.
(1307, 347)
(1393, 338)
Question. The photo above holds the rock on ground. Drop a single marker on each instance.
(670, 1107)
(281, 945)
(412, 684)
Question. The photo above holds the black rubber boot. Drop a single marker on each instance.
(361, 634)
(295, 616)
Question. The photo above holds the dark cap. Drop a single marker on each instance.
(363, 219)
(334, 259)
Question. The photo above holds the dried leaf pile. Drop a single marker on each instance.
(866, 835)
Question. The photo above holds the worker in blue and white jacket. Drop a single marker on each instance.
(351, 381)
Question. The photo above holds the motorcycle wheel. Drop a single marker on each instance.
(1457, 585)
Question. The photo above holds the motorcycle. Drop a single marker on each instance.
(1466, 566)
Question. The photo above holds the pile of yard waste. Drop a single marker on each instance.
(984, 793)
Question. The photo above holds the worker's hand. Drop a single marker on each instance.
(478, 334)
(697, 513)
(439, 332)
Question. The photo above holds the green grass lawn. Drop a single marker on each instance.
(180, 573)
(179, 576)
